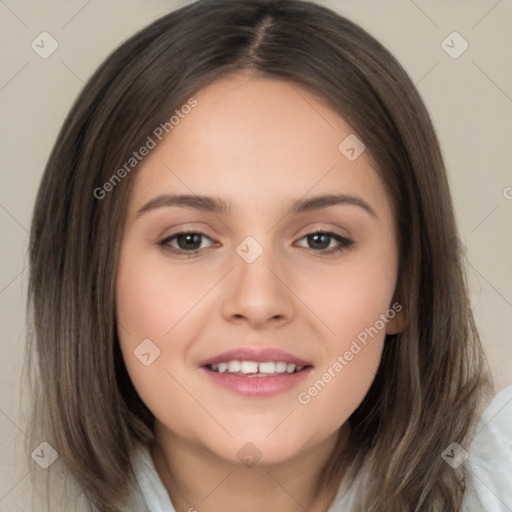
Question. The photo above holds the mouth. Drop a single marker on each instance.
(256, 369)
(256, 372)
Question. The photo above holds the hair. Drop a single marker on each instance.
(432, 376)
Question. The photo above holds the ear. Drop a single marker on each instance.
(396, 324)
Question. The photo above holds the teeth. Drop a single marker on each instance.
(252, 367)
(269, 367)
(280, 367)
(233, 366)
(248, 367)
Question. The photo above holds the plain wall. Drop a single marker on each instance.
(469, 98)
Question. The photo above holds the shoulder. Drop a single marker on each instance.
(149, 495)
(489, 462)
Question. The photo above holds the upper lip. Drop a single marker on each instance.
(258, 355)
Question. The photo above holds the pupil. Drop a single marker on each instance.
(190, 240)
(319, 241)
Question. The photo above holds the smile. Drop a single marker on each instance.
(253, 371)
(254, 368)
(256, 380)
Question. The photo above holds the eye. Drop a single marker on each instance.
(326, 242)
(185, 242)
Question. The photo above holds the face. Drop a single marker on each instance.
(268, 278)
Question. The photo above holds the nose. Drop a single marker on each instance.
(257, 295)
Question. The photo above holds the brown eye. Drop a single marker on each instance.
(324, 241)
(189, 242)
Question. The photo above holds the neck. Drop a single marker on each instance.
(199, 480)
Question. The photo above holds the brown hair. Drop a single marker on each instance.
(432, 376)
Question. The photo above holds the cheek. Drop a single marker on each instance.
(340, 386)
(351, 359)
(353, 300)
(151, 301)
(153, 297)
(352, 296)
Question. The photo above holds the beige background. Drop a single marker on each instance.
(470, 100)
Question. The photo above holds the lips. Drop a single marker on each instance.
(258, 355)
(263, 387)
(251, 383)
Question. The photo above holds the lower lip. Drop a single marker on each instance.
(257, 386)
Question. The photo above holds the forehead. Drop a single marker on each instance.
(257, 139)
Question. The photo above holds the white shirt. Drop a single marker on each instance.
(489, 465)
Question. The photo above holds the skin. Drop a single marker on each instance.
(259, 145)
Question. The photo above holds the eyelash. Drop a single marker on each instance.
(344, 243)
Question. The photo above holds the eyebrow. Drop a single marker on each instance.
(218, 205)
